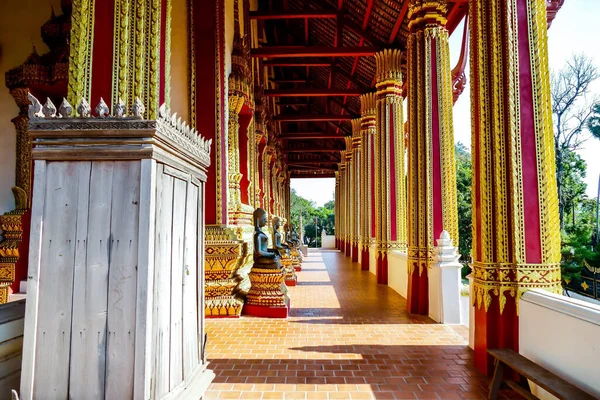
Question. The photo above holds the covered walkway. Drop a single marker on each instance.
(347, 338)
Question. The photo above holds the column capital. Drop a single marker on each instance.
(368, 104)
(389, 74)
(423, 13)
(356, 133)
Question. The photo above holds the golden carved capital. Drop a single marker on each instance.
(368, 104)
(388, 64)
(426, 13)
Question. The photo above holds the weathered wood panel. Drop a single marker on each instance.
(33, 279)
(145, 286)
(122, 289)
(67, 191)
(162, 304)
(177, 271)
(200, 269)
(90, 288)
(190, 288)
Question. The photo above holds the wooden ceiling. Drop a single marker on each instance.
(320, 55)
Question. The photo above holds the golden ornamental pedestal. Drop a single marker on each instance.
(268, 294)
(289, 272)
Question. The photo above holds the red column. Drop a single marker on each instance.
(516, 236)
(209, 45)
(431, 165)
(367, 209)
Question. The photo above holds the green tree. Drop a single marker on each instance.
(577, 245)
(300, 206)
(572, 113)
(573, 185)
(463, 189)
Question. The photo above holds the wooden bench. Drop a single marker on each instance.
(527, 369)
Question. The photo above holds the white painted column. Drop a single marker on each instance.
(444, 283)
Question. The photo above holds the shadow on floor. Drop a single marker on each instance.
(387, 372)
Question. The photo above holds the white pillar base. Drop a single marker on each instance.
(444, 283)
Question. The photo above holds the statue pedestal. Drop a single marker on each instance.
(289, 272)
(296, 259)
(268, 294)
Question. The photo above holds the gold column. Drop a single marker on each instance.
(368, 106)
(337, 210)
(137, 43)
(343, 202)
(234, 203)
(390, 199)
(516, 234)
(357, 189)
(349, 197)
(431, 166)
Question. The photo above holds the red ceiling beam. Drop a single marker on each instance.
(311, 162)
(312, 92)
(399, 21)
(279, 51)
(313, 175)
(290, 80)
(297, 63)
(313, 150)
(257, 15)
(311, 117)
(317, 136)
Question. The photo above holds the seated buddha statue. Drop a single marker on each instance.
(282, 248)
(288, 235)
(294, 237)
(263, 257)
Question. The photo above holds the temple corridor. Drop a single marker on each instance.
(346, 338)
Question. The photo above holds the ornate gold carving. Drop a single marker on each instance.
(428, 41)
(81, 42)
(267, 288)
(499, 235)
(23, 147)
(368, 106)
(11, 225)
(191, 64)
(224, 255)
(389, 153)
(167, 62)
(427, 12)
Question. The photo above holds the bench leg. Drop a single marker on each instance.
(496, 380)
(524, 383)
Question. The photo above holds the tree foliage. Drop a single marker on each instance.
(310, 212)
(575, 118)
(463, 189)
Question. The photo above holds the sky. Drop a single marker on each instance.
(575, 30)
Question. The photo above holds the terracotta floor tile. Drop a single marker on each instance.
(346, 337)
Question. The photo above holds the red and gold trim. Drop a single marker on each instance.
(368, 127)
(514, 249)
(431, 166)
(120, 49)
(390, 182)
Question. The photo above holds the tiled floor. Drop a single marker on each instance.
(346, 338)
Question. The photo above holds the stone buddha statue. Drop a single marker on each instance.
(263, 257)
(288, 235)
(277, 245)
(294, 237)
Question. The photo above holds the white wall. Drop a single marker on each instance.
(561, 335)
(20, 24)
(372, 260)
(397, 272)
(327, 241)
